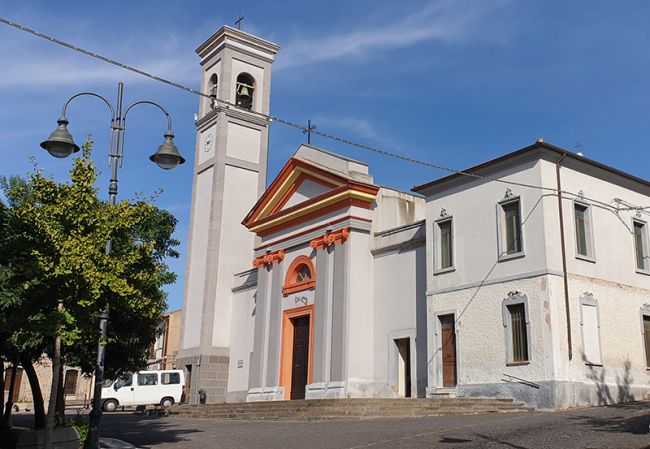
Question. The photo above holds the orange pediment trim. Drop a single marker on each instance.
(291, 282)
(290, 177)
(269, 216)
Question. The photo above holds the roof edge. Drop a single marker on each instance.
(539, 144)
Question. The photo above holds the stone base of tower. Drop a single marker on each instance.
(206, 372)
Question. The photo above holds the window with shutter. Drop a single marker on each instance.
(445, 249)
(640, 245)
(583, 230)
(590, 332)
(510, 229)
(70, 383)
(646, 337)
(518, 332)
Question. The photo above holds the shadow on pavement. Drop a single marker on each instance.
(144, 431)
(638, 425)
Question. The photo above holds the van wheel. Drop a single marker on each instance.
(167, 402)
(110, 405)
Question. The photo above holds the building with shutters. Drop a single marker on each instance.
(77, 387)
(551, 308)
(324, 284)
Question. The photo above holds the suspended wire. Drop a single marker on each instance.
(273, 118)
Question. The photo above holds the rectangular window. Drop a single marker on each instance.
(148, 379)
(170, 378)
(518, 332)
(70, 383)
(590, 334)
(646, 336)
(583, 230)
(511, 228)
(640, 245)
(446, 253)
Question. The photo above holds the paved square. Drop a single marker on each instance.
(603, 427)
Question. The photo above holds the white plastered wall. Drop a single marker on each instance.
(481, 339)
(473, 207)
(240, 191)
(360, 354)
(243, 143)
(399, 279)
(196, 278)
(241, 342)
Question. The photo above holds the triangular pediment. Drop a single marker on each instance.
(303, 188)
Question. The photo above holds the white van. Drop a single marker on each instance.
(144, 388)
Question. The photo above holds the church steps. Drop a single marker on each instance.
(349, 408)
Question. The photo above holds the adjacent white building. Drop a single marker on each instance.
(524, 304)
(327, 285)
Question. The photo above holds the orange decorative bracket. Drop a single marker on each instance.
(268, 259)
(331, 238)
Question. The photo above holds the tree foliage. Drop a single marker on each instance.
(52, 249)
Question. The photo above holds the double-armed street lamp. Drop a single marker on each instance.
(60, 144)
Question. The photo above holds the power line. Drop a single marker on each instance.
(298, 126)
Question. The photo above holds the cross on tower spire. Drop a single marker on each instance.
(310, 128)
(239, 20)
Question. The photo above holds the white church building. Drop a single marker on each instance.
(325, 284)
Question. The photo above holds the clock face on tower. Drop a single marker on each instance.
(208, 142)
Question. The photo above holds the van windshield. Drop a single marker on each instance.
(124, 381)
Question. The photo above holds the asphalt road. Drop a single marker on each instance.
(625, 427)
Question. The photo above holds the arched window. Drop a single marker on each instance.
(244, 91)
(301, 275)
(212, 89)
(214, 82)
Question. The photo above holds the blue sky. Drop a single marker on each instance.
(453, 82)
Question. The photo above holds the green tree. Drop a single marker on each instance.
(57, 276)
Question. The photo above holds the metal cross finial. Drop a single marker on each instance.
(239, 21)
(309, 130)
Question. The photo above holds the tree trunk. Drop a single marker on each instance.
(51, 406)
(37, 394)
(60, 400)
(6, 419)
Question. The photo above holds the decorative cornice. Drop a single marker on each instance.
(515, 296)
(330, 238)
(268, 259)
(587, 296)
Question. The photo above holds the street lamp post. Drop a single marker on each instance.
(60, 144)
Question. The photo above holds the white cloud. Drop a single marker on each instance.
(446, 21)
(33, 63)
(358, 127)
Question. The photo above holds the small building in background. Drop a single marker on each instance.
(77, 386)
(162, 354)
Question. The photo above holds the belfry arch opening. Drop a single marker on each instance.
(245, 91)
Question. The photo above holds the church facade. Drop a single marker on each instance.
(325, 284)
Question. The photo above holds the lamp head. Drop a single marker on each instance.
(60, 143)
(167, 156)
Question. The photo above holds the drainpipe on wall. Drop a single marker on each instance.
(195, 399)
(563, 247)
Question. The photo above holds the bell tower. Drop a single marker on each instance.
(229, 177)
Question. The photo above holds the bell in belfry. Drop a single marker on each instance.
(243, 91)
